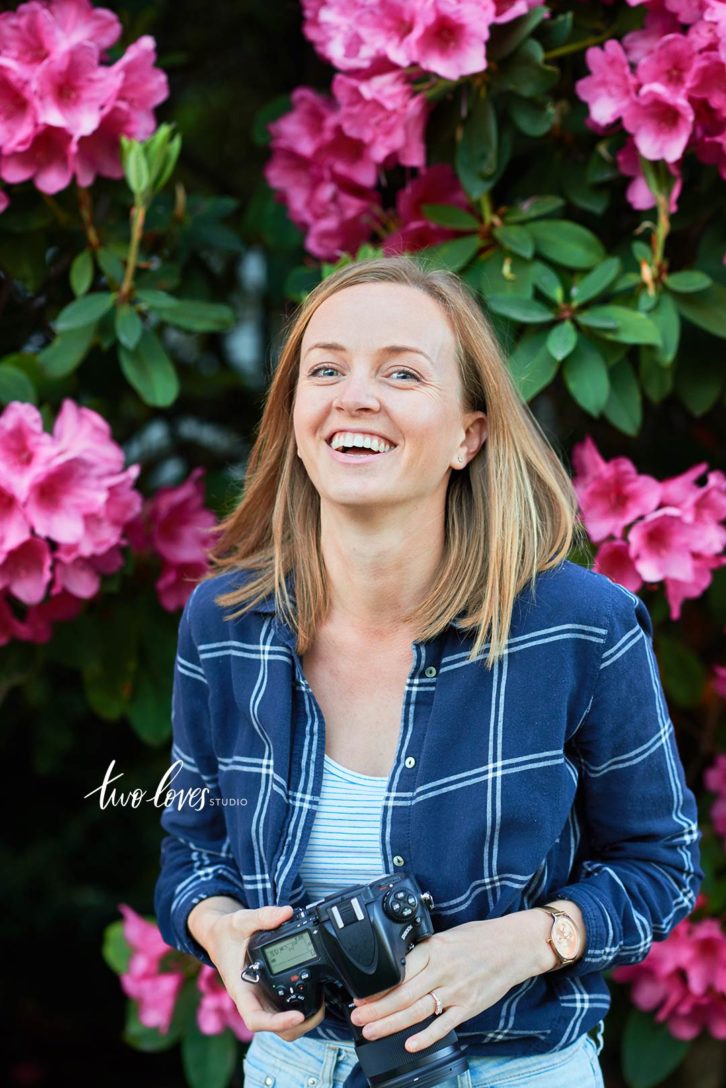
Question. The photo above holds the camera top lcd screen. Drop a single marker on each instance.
(289, 952)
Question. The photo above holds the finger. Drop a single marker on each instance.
(307, 1025)
(259, 1019)
(416, 961)
(403, 1018)
(400, 997)
(440, 1027)
(247, 922)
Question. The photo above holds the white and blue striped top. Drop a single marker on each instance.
(344, 847)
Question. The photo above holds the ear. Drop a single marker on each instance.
(476, 430)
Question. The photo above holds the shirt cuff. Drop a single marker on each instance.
(183, 906)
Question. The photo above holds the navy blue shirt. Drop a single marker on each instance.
(553, 776)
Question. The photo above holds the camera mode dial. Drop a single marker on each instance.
(400, 905)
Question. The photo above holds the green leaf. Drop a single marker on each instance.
(548, 282)
(566, 243)
(562, 340)
(506, 37)
(128, 325)
(148, 1040)
(15, 385)
(476, 150)
(656, 379)
(116, 952)
(642, 252)
(531, 117)
(199, 316)
(208, 1060)
(453, 254)
(525, 310)
(158, 301)
(707, 309)
(556, 31)
(531, 365)
(595, 282)
(66, 352)
(110, 264)
(688, 282)
(666, 319)
(502, 275)
(624, 408)
(517, 239)
(699, 382)
(586, 375)
(631, 327)
(526, 72)
(534, 207)
(81, 274)
(136, 169)
(448, 215)
(150, 371)
(649, 1051)
(578, 189)
(84, 311)
(169, 165)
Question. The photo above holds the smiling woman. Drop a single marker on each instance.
(414, 679)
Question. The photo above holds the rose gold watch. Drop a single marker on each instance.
(564, 939)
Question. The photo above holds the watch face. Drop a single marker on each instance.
(565, 938)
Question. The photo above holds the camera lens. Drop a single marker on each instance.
(387, 1064)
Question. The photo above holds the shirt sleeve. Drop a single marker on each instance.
(643, 875)
(196, 855)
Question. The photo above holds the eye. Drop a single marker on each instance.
(410, 373)
(323, 366)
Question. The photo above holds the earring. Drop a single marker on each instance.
(461, 459)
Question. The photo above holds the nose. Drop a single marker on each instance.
(356, 392)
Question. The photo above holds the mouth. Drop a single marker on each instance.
(356, 455)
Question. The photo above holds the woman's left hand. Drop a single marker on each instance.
(470, 967)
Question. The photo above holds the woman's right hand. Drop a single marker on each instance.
(226, 937)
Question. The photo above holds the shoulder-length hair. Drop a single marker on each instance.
(510, 513)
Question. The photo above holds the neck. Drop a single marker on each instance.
(378, 568)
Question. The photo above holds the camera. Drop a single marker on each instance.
(349, 945)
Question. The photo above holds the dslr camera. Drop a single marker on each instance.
(349, 945)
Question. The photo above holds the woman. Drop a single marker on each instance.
(415, 678)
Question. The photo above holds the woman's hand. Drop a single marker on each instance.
(226, 934)
(470, 967)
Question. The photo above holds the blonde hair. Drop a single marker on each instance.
(510, 513)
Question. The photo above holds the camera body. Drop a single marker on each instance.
(348, 945)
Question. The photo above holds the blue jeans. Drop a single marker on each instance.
(270, 1062)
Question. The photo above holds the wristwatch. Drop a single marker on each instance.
(564, 939)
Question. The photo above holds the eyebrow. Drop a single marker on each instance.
(391, 349)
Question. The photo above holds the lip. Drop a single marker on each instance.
(347, 430)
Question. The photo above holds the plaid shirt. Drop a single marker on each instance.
(555, 775)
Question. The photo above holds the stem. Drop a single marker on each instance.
(576, 47)
(85, 206)
(486, 208)
(138, 215)
(662, 230)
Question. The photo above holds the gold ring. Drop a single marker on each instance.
(437, 1001)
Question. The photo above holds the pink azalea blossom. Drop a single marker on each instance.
(450, 36)
(638, 193)
(18, 118)
(614, 560)
(714, 778)
(661, 544)
(65, 500)
(611, 87)
(47, 161)
(436, 185)
(383, 112)
(659, 123)
(176, 525)
(678, 590)
(78, 20)
(615, 497)
(658, 22)
(715, 13)
(683, 980)
(72, 89)
(155, 990)
(216, 1010)
(670, 64)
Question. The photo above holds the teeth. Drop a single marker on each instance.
(364, 441)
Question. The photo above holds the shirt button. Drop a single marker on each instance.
(430, 670)
(312, 1081)
(410, 761)
(269, 1081)
(398, 860)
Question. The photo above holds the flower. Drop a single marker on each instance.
(216, 1010)
(435, 185)
(155, 990)
(383, 112)
(684, 979)
(659, 123)
(611, 87)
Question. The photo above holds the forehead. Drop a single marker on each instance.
(367, 316)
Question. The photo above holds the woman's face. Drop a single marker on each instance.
(378, 359)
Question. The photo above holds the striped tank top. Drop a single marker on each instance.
(344, 846)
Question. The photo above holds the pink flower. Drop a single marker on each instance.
(18, 120)
(670, 65)
(79, 21)
(383, 113)
(660, 124)
(14, 526)
(175, 524)
(507, 10)
(611, 87)
(614, 497)
(661, 544)
(155, 991)
(435, 185)
(25, 570)
(47, 160)
(450, 36)
(714, 778)
(25, 448)
(658, 23)
(684, 979)
(216, 1010)
(715, 13)
(613, 559)
(639, 194)
(719, 686)
(677, 590)
(73, 89)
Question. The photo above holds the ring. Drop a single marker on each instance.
(439, 1007)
